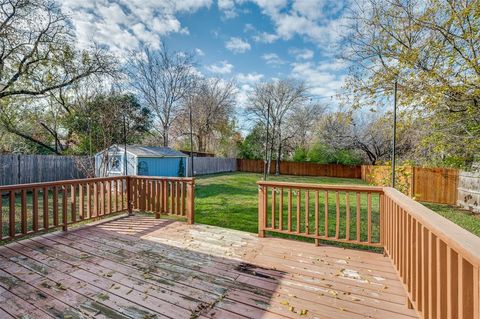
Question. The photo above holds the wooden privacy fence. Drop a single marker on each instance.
(23, 169)
(434, 185)
(212, 165)
(437, 261)
(302, 168)
(30, 208)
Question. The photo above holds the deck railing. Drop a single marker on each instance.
(347, 214)
(437, 261)
(30, 208)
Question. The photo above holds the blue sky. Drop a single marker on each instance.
(248, 40)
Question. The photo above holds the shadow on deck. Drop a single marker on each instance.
(141, 267)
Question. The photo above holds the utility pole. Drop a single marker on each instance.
(125, 166)
(191, 141)
(394, 132)
(265, 164)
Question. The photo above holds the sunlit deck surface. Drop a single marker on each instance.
(140, 267)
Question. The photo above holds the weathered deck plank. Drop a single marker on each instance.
(140, 267)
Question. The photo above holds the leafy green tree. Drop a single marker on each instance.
(253, 147)
(431, 49)
(101, 123)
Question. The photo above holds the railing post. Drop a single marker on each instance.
(129, 195)
(261, 211)
(191, 201)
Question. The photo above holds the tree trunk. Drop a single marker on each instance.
(165, 136)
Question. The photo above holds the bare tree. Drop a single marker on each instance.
(370, 133)
(37, 53)
(272, 103)
(212, 108)
(164, 80)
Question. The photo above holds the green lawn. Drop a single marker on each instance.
(463, 218)
(230, 200)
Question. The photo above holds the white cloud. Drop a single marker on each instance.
(228, 8)
(301, 54)
(199, 52)
(272, 59)
(248, 27)
(122, 24)
(237, 45)
(222, 67)
(319, 21)
(322, 82)
(244, 92)
(250, 78)
(266, 37)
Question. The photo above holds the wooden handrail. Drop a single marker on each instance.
(352, 188)
(37, 207)
(316, 211)
(437, 261)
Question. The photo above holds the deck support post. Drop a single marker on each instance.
(261, 211)
(191, 202)
(129, 196)
(317, 242)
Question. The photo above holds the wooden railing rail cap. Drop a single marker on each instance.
(459, 239)
(66, 182)
(173, 179)
(349, 188)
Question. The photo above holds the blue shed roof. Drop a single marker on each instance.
(150, 151)
(154, 151)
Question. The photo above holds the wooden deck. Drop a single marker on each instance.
(140, 267)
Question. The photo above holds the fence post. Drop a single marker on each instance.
(191, 201)
(261, 211)
(129, 195)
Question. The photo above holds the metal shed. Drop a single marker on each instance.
(140, 160)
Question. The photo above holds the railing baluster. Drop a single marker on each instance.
(280, 210)
(337, 212)
(46, 214)
(273, 207)
(347, 217)
(81, 199)
(307, 212)
(24, 217)
(299, 194)
(55, 206)
(369, 221)
(289, 210)
(64, 208)
(326, 214)
(11, 212)
(359, 218)
(34, 210)
(73, 203)
(177, 198)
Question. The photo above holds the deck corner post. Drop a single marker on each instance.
(191, 202)
(129, 195)
(261, 211)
